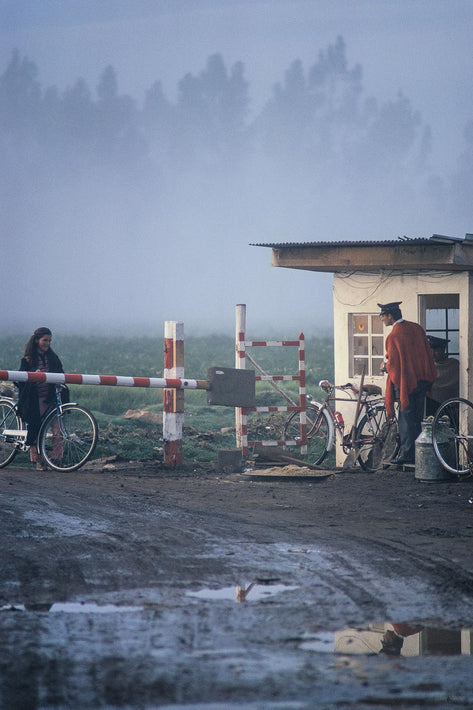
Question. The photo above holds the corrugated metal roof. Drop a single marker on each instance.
(434, 239)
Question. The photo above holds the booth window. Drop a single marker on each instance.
(366, 344)
(442, 319)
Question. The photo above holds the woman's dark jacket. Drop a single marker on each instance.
(28, 404)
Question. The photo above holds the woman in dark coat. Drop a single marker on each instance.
(36, 397)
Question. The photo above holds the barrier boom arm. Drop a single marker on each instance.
(60, 378)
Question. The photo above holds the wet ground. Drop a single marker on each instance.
(141, 587)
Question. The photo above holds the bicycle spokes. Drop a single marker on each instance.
(376, 439)
(68, 438)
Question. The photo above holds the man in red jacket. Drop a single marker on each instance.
(411, 372)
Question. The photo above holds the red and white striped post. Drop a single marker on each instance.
(173, 399)
(302, 394)
(241, 423)
(241, 413)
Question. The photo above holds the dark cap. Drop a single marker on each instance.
(437, 342)
(389, 308)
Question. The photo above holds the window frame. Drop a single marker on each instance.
(373, 360)
(445, 303)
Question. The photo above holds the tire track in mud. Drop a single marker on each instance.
(172, 523)
(381, 578)
(446, 577)
(148, 543)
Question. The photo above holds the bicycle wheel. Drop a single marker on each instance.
(453, 445)
(320, 433)
(376, 439)
(8, 421)
(67, 441)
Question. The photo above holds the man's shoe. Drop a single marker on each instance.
(401, 461)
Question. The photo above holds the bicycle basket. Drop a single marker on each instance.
(8, 389)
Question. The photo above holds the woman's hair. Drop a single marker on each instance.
(31, 349)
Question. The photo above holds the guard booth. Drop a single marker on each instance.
(433, 277)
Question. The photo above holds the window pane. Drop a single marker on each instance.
(376, 324)
(453, 317)
(435, 318)
(361, 364)
(377, 345)
(376, 365)
(360, 346)
(454, 344)
(360, 324)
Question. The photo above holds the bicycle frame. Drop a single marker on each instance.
(66, 439)
(59, 409)
(18, 436)
(366, 401)
(372, 439)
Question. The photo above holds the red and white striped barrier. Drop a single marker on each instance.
(173, 385)
(60, 378)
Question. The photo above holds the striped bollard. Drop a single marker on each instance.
(302, 395)
(173, 399)
(241, 419)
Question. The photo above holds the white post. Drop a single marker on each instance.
(173, 399)
(240, 364)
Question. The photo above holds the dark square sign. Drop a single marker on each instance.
(231, 387)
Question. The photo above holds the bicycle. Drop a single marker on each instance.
(67, 436)
(373, 439)
(452, 442)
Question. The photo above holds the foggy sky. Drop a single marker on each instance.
(106, 251)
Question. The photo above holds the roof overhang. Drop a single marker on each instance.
(435, 254)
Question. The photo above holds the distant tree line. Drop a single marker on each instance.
(311, 118)
(316, 123)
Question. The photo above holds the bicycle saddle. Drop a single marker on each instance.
(372, 389)
(367, 389)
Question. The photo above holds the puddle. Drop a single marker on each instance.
(392, 640)
(86, 608)
(256, 591)
(73, 608)
(385, 638)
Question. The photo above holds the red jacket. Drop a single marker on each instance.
(409, 359)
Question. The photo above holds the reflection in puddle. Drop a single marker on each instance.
(73, 608)
(393, 640)
(389, 638)
(88, 608)
(256, 591)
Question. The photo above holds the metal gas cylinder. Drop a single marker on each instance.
(428, 467)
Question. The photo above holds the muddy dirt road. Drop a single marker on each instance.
(140, 587)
